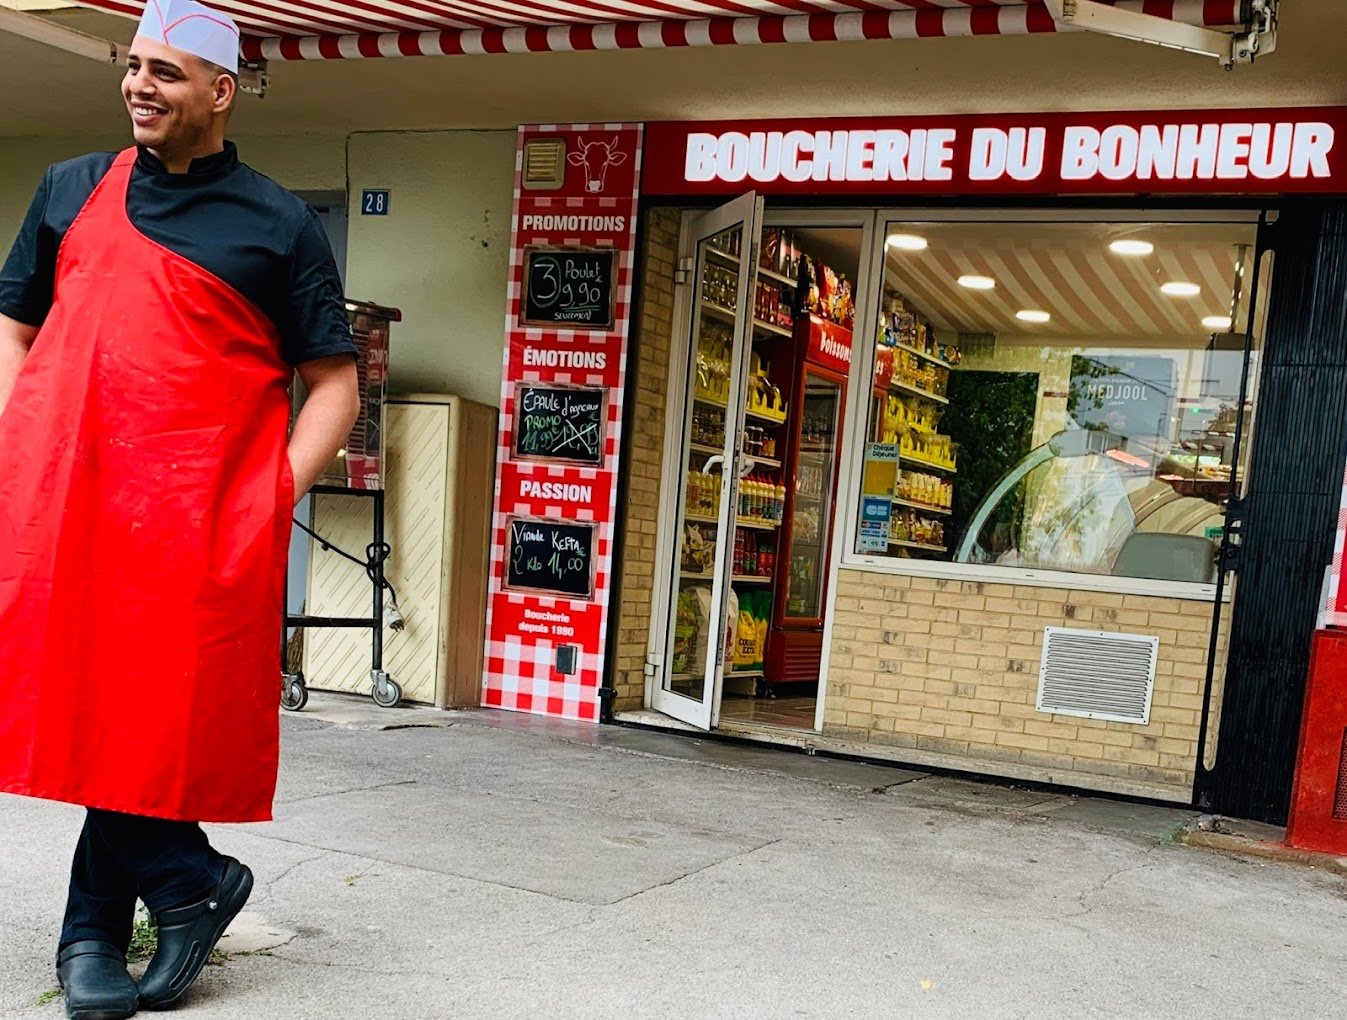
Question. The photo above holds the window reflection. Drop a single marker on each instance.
(1041, 401)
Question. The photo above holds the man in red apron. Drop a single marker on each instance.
(151, 313)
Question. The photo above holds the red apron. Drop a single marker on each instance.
(145, 501)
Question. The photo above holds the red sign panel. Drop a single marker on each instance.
(829, 345)
(567, 319)
(1300, 151)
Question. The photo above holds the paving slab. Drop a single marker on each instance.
(594, 857)
(1122, 816)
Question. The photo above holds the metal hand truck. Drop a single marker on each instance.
(384, 689)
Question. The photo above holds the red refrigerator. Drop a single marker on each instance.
(818, 395)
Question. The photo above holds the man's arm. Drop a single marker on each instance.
(15, 339)
(330, 410)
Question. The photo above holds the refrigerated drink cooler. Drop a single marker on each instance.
(817, 387)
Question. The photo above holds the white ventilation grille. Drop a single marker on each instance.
(1097, 675)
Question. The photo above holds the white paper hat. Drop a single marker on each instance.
(193, 28)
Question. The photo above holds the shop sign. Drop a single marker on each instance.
(560, 423)
(880, 477)
(567, 320)
(829, 345)
(1129, 397)
(874, 531)
(569, 286)
(1299, 150)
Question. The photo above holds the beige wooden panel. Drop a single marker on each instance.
(339, 660)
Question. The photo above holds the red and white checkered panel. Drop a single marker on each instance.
(1334, 613)
(526, 630)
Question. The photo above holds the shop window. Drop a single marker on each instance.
(1057, 396)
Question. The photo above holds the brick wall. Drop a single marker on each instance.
(947, 671)
(645, 426)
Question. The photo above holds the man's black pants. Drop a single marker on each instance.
(121, 857)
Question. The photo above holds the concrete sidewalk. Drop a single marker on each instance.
(482, 865)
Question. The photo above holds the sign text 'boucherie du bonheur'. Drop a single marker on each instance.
(1271, 150)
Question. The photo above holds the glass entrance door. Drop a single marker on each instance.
(722, 245)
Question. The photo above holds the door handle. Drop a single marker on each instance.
(717, 462)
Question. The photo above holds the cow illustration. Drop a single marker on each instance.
(596, 158)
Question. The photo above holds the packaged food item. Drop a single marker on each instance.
(686, 634)
(764, 620)
(746, 639)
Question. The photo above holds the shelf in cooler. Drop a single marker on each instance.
(737, 579)
(716, 311)
(771, 327)
(923, 462)
(710, 401)
(924, 507)
(755, 523)
(724, 256)
(716, 451)
(824, 451)
(747, 674)
(772, 274)
(902, 387)
(917, 545)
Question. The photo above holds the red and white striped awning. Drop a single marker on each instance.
(344, 29)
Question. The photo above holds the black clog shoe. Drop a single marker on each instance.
(96, 984)
(188, 934)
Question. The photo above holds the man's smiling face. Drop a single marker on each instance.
(174, 98)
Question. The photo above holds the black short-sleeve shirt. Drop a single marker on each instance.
(222, 215)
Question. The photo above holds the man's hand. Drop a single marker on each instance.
(325, 420)
(15, 339)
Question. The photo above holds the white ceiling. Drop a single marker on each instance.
(1068, 271)
(55, 94)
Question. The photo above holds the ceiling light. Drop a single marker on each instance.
(1131, 247)
(1180, 289)
(1220, 322)
(1030, 315)
(977, 282)
(907, 242)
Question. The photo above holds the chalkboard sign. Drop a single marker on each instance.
(550, 557)
(560, 423)
(569, 287)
